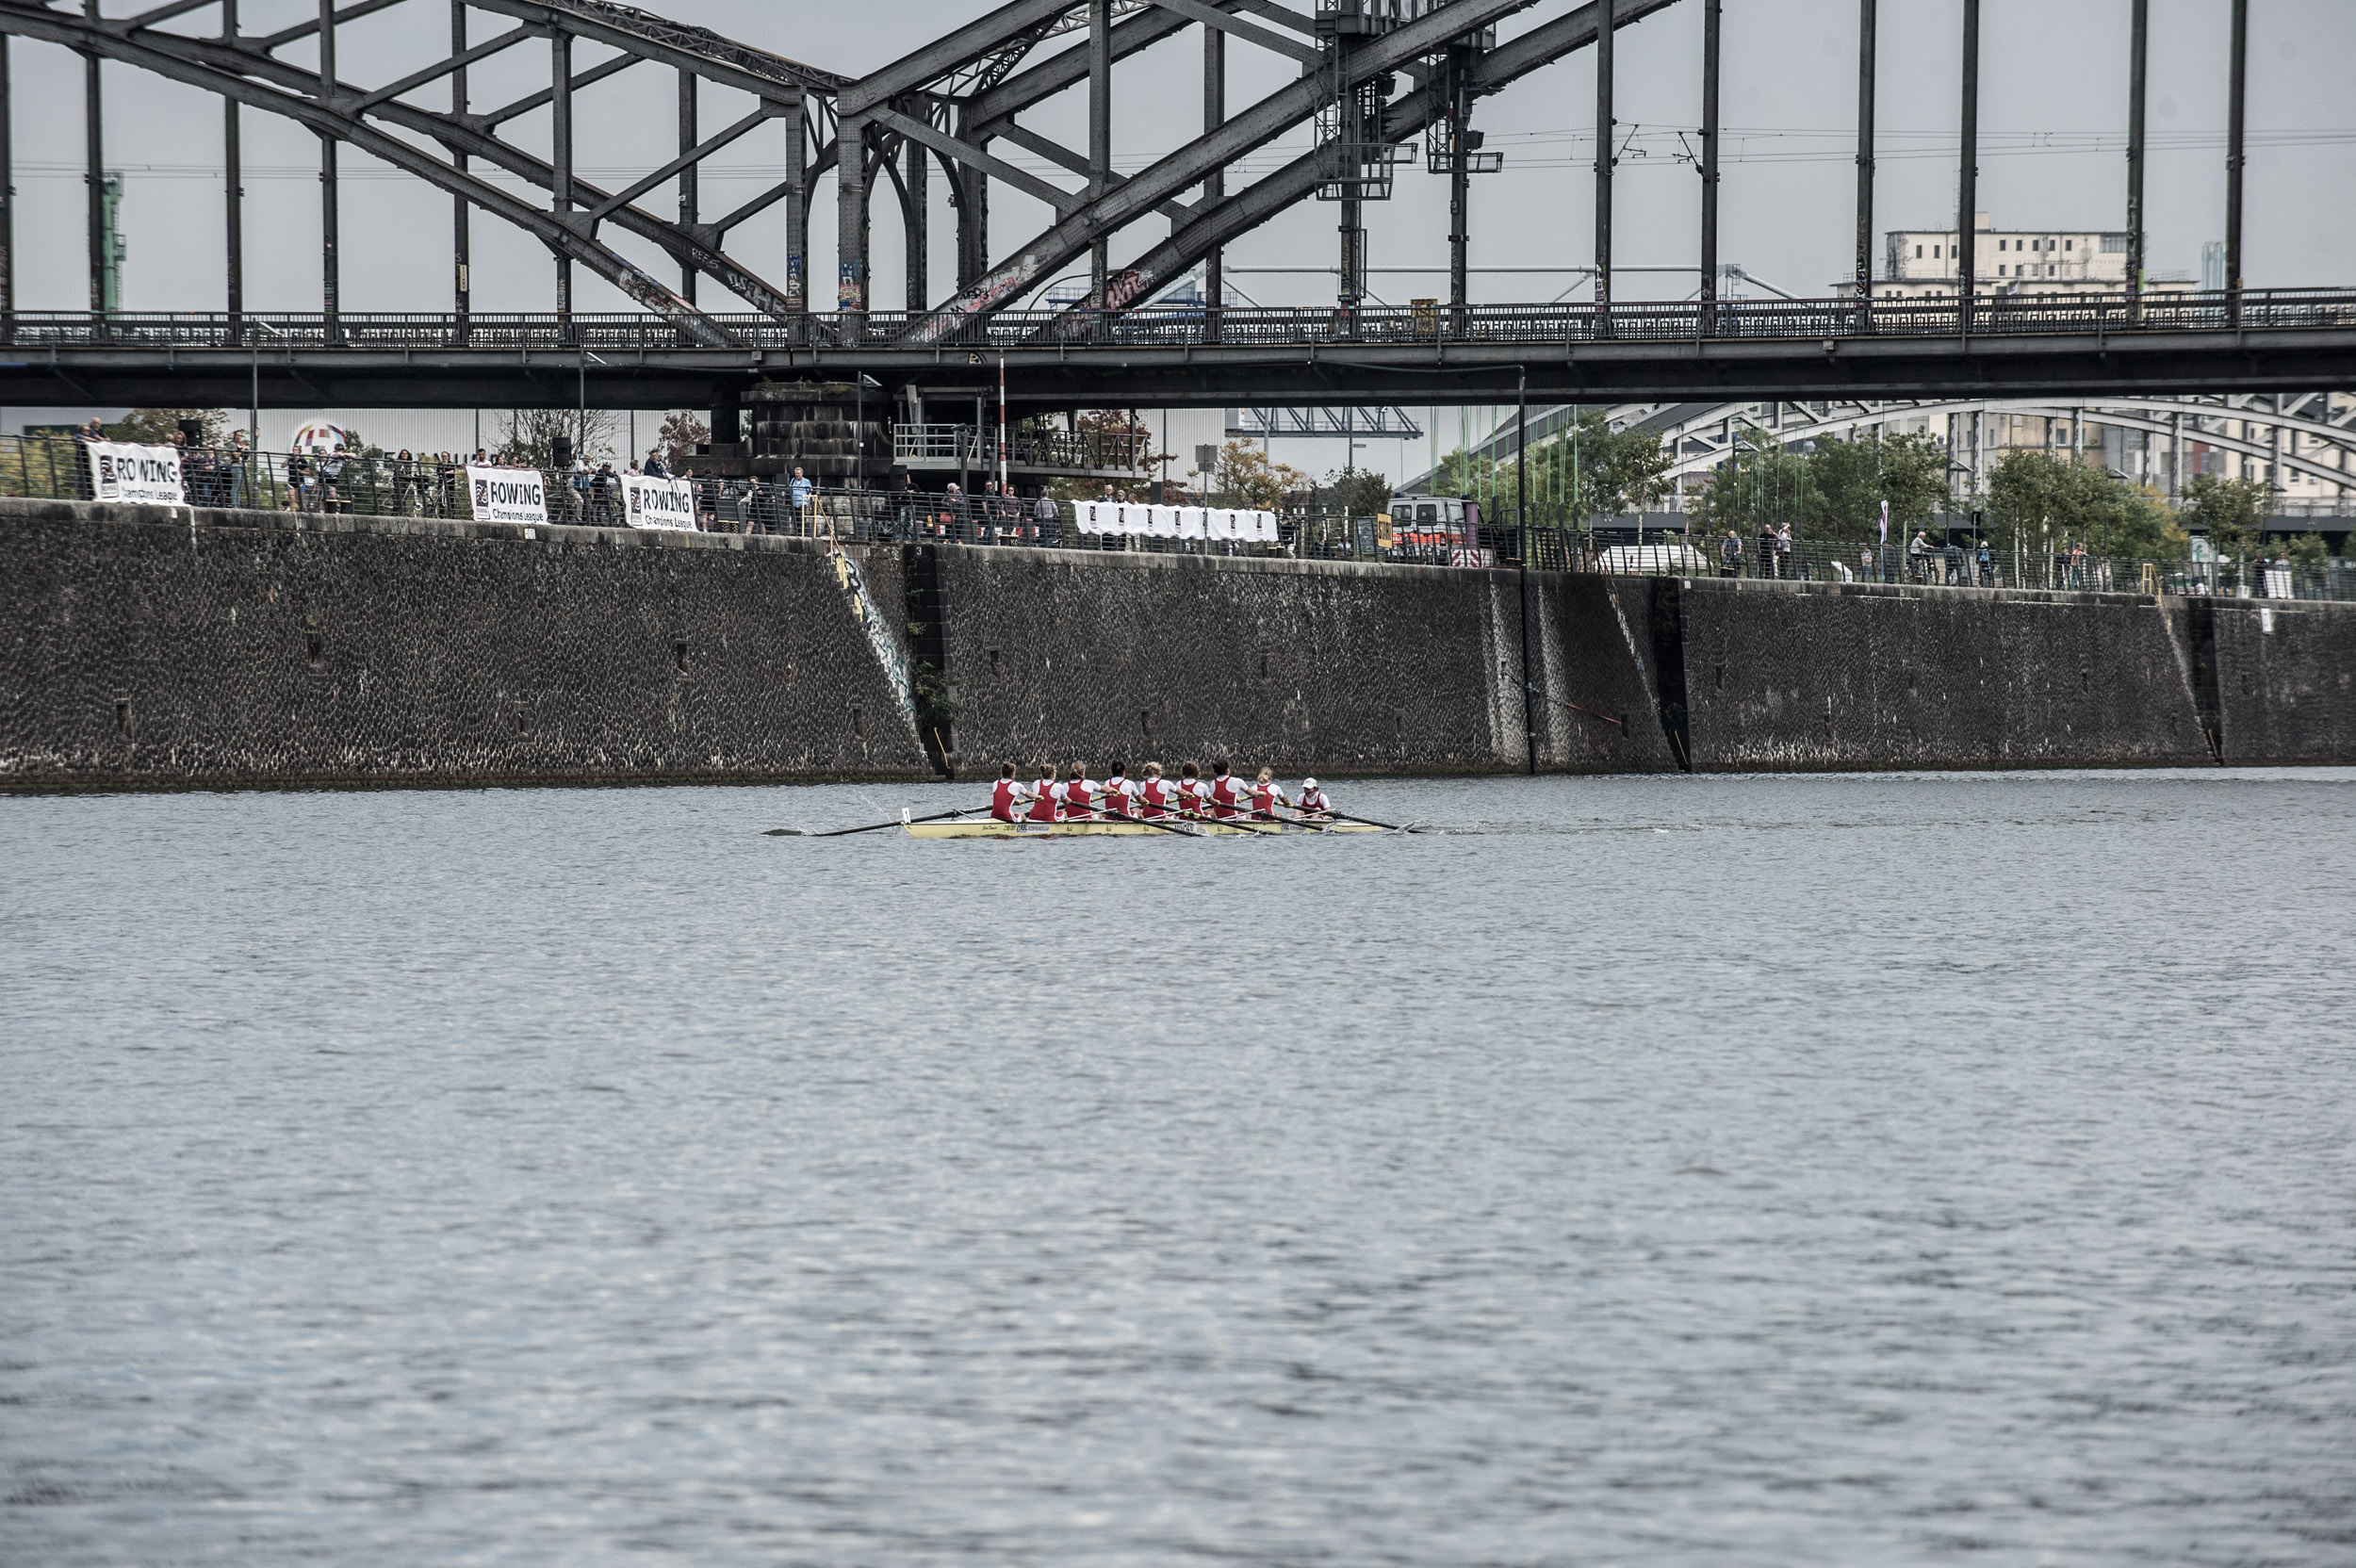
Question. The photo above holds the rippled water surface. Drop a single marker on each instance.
(1885, 1170)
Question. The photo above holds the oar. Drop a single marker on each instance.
(1282, 822)
(1386, 826)
(872, 827)
(1146, 821)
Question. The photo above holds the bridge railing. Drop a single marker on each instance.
(584, 333)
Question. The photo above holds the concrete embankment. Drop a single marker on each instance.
(1817, 675)
(148, 646)
(163, 647)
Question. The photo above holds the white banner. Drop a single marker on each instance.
(126, 473)
(658, 502)
(1097, 516)
(507, 495)
(1134, 517)
(1163, 522)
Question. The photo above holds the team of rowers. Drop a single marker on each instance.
(1080, 798)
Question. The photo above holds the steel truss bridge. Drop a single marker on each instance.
(2309, 436)
(1376, 78)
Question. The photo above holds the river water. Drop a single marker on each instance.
(1876, 1169)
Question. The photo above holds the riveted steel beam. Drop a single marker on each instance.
(1215, 225)
(333, 126)
(1115, 209)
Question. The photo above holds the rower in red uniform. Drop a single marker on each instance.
(1160, 796)
(1118, 799)
(1078, 796)
(1313, 801)
(1227, 798)
(1005, 795)
(1194, 796)
(1043, 795)
(1266, 796)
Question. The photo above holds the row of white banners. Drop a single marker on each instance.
(521, 496)
(1175, 522)
(152, 474)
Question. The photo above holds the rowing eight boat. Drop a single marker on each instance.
(996, 830)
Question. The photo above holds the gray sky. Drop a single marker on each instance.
(2052, 119)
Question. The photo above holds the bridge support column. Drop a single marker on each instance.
(2235, 100)
(689, 199)
(1100, 133)
(915, 212)
(1865, 165)
(8, 204)
(850, 289)
(330, 200)
(1967, 172)
(233, 185)
(1215, 183)
(94, 173)
(796, 210)
(1458, 68)
(2138, 51)
(561, 160)
(1604, 123)
(968, 187)
(1709, 168)
(462, 278)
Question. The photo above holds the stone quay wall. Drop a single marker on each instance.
(149, 646)
(163, 647)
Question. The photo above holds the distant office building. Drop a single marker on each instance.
(1921, 264)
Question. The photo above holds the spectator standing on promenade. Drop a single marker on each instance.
(1766, 549)
(654, 469)
(240, 465)
(1783, 549)
(331, 480)
(1049, 519)
(1988, 566)
(1730, 555)
(799, 492)
(405, 483)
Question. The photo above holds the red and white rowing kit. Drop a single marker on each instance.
(1004, 798)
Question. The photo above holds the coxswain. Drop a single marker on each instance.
(1043, 795)
(1119, 800)
(1266, 796)
(1227, 795)
(1078, 795)
(1194, 796)
(1159, 796)
(1313, 801)
(1007, 796)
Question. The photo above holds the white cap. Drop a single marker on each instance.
(1308, 783)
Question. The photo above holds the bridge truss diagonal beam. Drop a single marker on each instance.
(242, 71)
(1405, 119)
(328, 121)
(1242, 133)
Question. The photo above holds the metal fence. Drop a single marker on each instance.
(435, 485)
(1991, 316)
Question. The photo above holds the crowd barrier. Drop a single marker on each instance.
(444, 485)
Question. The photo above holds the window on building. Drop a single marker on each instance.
(1918, 253)
(2001, 243)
